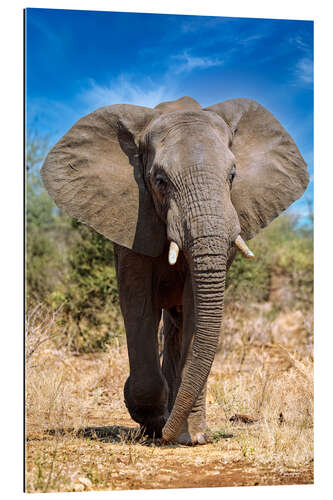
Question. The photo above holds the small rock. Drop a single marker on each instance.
(242, 418)
(281, 418)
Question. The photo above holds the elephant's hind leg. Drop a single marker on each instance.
(172, 352)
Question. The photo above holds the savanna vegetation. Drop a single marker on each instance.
(260, 391)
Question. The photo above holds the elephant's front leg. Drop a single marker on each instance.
(178, 334)
(146, 390)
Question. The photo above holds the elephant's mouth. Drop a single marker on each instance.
(239, 243)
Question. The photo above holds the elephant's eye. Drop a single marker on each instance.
(232, 174)
(160, 181)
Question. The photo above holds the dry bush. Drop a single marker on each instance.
(264, 369)
(62, 389)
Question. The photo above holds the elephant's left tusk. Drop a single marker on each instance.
(242, 246)
(173, 253)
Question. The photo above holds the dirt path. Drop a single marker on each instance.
(115, 458)
(230, 474)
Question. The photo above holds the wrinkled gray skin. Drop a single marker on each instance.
(144, 178)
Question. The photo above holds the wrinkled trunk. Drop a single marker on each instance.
(207, 261)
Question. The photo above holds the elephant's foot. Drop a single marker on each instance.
(192, 439)
(193, 432)
(146, 402)
(153, 427)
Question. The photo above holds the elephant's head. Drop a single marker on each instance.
(178, 173)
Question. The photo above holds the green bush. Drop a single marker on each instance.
(44, 261)
(41, 259)
(248, 281)
(295, 261)
(91, 298)
(281, 250)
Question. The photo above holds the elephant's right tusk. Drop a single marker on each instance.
(242, 246)
(173, 253)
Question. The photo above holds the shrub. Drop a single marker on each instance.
(43, 260)
(284, 255)
(295, 261)
(248, 281)
(91, 296)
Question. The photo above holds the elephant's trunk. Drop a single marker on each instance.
(207, 258)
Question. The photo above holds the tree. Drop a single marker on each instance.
(42, 257)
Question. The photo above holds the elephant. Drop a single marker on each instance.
(178, 189)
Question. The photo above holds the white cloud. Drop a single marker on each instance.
(299, 42)
(189, 63)
(304, 70)
(123, 90)
(145, 92)
(195, 24)
(54, 118)
(251, 39)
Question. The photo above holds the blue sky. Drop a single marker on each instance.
(77, 61)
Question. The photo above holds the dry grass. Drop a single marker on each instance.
(80, 436)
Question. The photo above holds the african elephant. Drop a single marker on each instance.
(176, 188)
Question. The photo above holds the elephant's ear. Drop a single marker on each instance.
(270, 171)
(94, 174)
